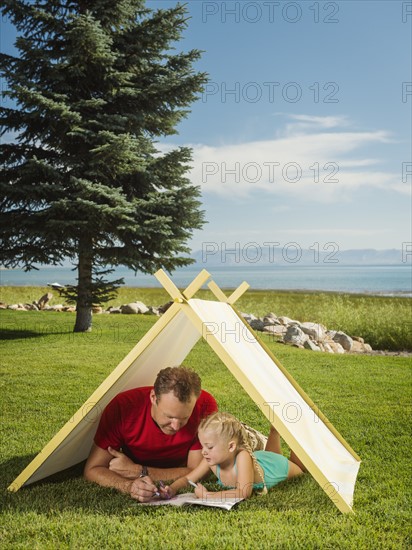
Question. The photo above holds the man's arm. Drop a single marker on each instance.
(126, 468)
(99, 469)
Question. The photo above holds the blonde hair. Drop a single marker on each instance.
(229, 428)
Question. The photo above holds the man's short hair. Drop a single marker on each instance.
(183, 382)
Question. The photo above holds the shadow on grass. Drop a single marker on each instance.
(20, 333)
(14, 466)
(67, 491)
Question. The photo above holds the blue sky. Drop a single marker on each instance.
(304, 131)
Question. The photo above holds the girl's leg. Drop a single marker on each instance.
(294, 469)
(293, 459)
(273, 444)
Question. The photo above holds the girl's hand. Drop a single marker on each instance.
(201, 492)
(166, 492)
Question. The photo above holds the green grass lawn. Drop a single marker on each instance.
(47, 372)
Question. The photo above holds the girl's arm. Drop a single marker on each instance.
(244, 481)
(198, 473)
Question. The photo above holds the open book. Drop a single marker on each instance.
(188, 498)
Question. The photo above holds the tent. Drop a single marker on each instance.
(323, 451)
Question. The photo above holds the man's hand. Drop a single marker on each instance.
(122, 465)
(143, 489)
(111, 468)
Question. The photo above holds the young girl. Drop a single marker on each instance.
(227, 453)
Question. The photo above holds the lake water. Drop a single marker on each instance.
(377, 279)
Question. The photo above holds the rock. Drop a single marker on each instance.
(142, 307)
(344, 340)
(275, 329)
(358, 339)
(295, 336)
(326, 347)
(270, 321)
(97, 309)
(286, 321)
(357, 347)
(129, 309)
(256, 324)
(134, 308)
(308, 344)
(114, 310)
(44, 300)
(316, 331)
(162, 309)
(57, 307)
(336, 348)
(360, 347)
(248, 317)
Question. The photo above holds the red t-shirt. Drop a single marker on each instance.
(126, 423)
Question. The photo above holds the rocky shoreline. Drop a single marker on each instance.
(305, 335)
(308, 335)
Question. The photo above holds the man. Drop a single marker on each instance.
(150, 433)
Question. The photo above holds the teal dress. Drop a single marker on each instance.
(275, 468)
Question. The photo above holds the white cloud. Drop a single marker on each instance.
(306, 160)
(322, 121)
(303, 123)
(333, 231)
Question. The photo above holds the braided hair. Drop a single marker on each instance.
(229, 428)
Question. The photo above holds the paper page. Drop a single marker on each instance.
(178, 500)
(188, 498)
(215, 503)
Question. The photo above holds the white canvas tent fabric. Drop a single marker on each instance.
(297, 421)
(326, 455)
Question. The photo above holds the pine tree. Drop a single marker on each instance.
(95, 83)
